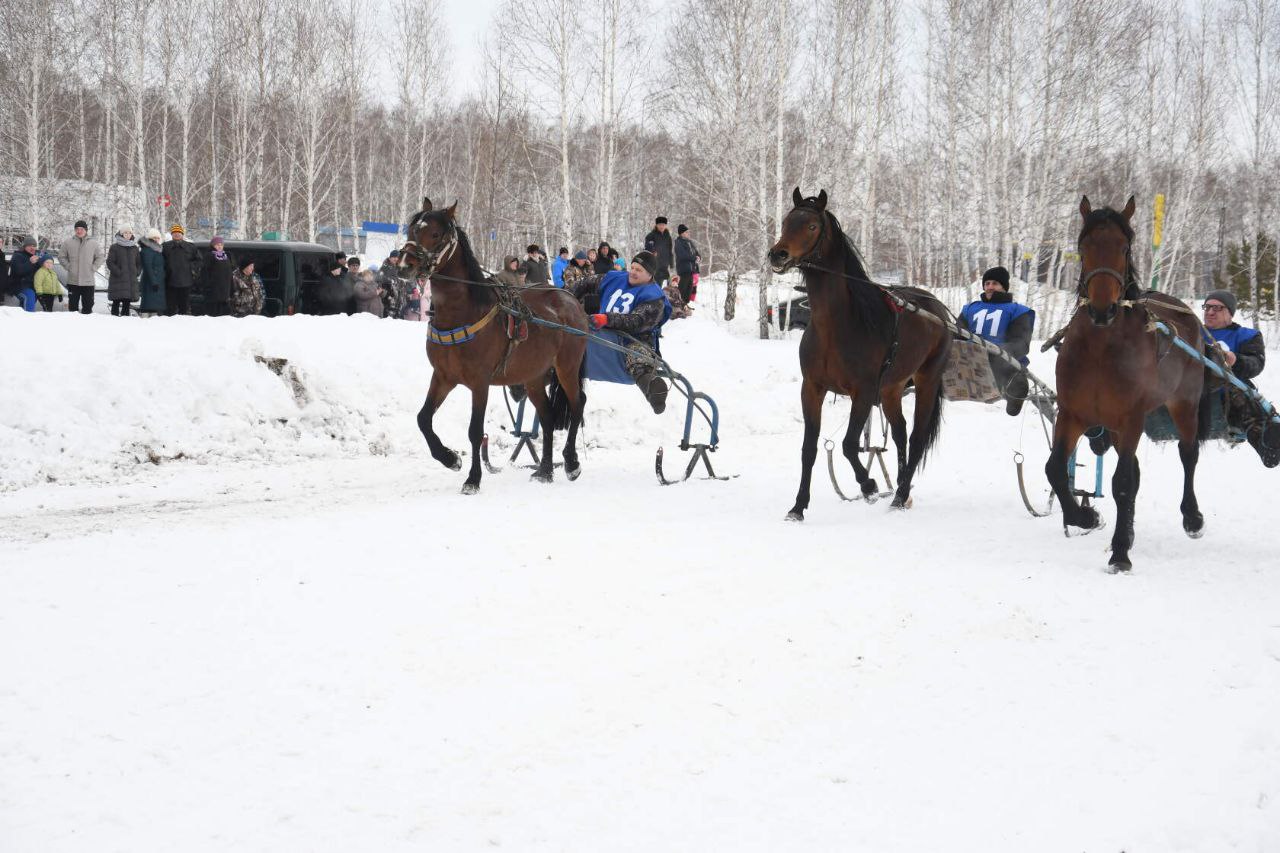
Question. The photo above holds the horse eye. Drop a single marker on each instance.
(813, 227)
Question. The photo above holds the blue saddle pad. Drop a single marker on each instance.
(605, 364)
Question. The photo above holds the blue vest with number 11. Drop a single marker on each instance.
(991, 320)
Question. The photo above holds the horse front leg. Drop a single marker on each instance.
(577, 397)
(1186, 417)
(1124, 489)
(436, 392)
(811, 406)
(475, 432)
(859, 411)
(541, 405)
(1066, 434)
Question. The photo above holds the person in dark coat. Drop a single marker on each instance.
(124, 265)
(181, 260)
(603, 262)
(152, 285)
(658, 242)
(535, 266)
(217, 280)
(22, 272)
(335, 293)
(687, 260)
(4, 278)
(998, 320)
(1245, 353)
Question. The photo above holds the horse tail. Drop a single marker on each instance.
(934, 426)
(561, 409)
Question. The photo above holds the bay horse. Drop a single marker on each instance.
(862, 343)
(1114, 368)
(471, 343)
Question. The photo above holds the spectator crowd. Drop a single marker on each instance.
(150, 276)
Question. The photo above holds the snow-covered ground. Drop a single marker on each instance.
(247, 611)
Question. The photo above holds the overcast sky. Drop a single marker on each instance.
(466, 20)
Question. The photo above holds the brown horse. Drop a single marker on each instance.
(861, 342)
(470, 343)
(1114, 368)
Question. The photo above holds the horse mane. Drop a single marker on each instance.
(477, 288)
(868, 301)
(1099, 218)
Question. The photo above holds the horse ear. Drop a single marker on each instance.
(452, 210)
(796, 198)
(1085, 207)
(822, 200)
(426, 204)
(1130, 208)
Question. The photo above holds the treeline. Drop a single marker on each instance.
(951, 136)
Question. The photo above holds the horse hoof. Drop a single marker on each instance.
(541, 476)
(795, 515)
(900, 503)
(573, 473)
(1194, 526)
(1119, 566)
(870, 490)
(451, 461)
(470, 488)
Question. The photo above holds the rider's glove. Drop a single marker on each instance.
(599, 321)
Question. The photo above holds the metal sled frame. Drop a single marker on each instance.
(694, 400)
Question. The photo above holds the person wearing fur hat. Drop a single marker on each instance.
(152, 284)
(534, 266)
(997, 319)
(81, 256)
(658, 242)
(181, 260)
(632, 302)
(124, 265)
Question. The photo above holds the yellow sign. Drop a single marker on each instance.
(1157, 232)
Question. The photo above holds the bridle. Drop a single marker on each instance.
(430, 259)
(814, 254)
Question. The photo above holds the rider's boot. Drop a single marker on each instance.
(654, 390)
(1016, 393)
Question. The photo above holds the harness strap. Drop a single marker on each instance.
(462, 334)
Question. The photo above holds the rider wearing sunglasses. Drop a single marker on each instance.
(1243, 348)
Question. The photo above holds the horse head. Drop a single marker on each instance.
(433, 235)
(804, 232)
(1106, 266)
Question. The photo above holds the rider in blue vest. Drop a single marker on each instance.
(1242, 347)
(1245, 353)
(996, 318)
(629, 301)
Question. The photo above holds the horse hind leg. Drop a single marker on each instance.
(541, 405)
(475, 432)
(574, 389)
(891, 405)
(924, 431)
(1187, 419)
(436, 392)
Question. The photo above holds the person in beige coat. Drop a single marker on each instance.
(81, 256)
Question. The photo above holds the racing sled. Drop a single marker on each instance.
(606, 362)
